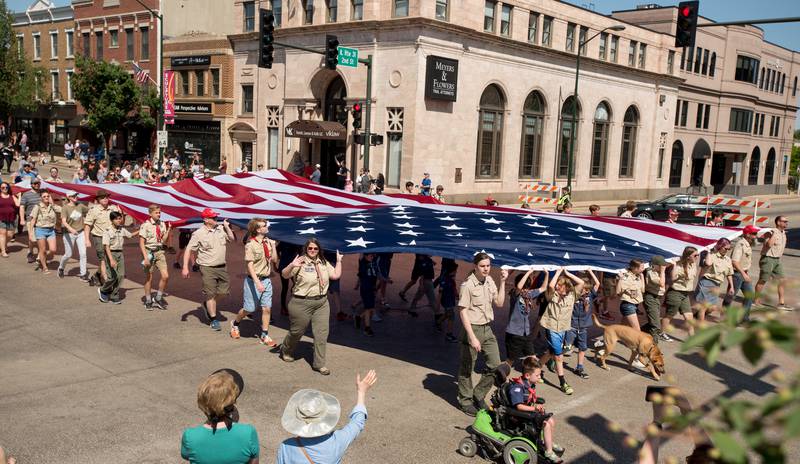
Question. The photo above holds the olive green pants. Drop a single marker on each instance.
(491, 356)
(301, 313)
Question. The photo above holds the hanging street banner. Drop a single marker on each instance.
(169, 95)
(441, 78)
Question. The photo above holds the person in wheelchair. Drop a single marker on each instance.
(521, 395)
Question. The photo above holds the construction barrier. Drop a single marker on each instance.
(530, 199)
(734, 217)
(538, 188)
(719, 201)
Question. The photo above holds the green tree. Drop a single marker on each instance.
(107, 92)
(22, 83)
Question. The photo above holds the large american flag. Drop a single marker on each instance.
(357, 223)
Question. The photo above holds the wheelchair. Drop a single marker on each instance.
(503, 433)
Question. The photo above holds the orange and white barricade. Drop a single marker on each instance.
(734, 217)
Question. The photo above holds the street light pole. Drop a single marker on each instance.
(159, 64)
(573, 135)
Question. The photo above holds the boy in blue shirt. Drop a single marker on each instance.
(522, 394)
(582, 320)
(449, 296)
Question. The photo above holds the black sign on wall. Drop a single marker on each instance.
(199, 60)
(441, 78)
(192, 107)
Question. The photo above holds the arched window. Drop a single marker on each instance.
(713, 65)
(490, 133)
(755, 161)
(769, 167)
(567, 135)
(602, 117)
(530, 160)
(676, 164)
(761, 80)
(772, 81)
(629, 127)
(783, 83)
(794, 87)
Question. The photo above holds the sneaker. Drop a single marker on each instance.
(116, 302)
(663, 336)
(234, 331)
(567, 351)
(783, 307)
(93, 281)
(148, 305)
(558, 449)
(638, 364)
(449, 338)
(215, 325)
(551, 365)
(402, 294)
(31, 259)
(102, 296)
(285, 357)
(469, 410)
(376, 317)
(567, 389)
(581, 373)
(84, 277)
(368, 332)
(266, 340)
(38, 266)
(160, 303)
(552, 457)
(60, 273)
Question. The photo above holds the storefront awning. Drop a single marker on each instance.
(323, 130)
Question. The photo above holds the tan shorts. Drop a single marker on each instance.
(158, 260)
(215, 281)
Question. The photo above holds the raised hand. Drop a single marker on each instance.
(297, 261)
(364, 384)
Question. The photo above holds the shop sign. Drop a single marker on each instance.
(199, 60)
(192, 107)
(441, 78)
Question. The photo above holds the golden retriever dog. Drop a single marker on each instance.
(641, 344)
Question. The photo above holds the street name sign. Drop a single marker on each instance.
(348, 57)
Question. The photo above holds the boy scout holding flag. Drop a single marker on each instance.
(153, 235)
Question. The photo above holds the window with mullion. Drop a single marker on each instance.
(400, 8)
(442, 10)
(488, 16)
(533, 27)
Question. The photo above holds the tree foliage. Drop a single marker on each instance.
(106, 91)
(21, 81)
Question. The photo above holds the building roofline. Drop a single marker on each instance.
(563, 2)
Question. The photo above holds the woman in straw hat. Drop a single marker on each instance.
(312, 415)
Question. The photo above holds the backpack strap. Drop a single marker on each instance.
(302, 448)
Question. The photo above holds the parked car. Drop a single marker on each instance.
(686, 205)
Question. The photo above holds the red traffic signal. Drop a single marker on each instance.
(686, 12)
(356, 115)
(686, 24)
(357, 107)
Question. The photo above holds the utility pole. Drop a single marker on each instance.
(159, 64)
(367, 135)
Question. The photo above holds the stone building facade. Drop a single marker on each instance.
(735, 116)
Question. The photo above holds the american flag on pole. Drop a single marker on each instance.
(140, 75)
(357, 223)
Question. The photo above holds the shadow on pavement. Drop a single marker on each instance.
(443, 386)
(595, 428)
(736, 380)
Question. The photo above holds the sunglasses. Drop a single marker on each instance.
(312, 248)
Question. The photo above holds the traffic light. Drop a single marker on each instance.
(266, 39)
(331, 51)
(357, 116)
(686, 26)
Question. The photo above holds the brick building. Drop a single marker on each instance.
(45, 34)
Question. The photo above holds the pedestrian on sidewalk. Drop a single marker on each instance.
(97, 221)
(477, 297)
(9, 205)
(210, 242)
(770, 265)
(153, 236)
(311, 274)
(260, 257)
(72, 217)
(741, 260)
(42, 228)
(113, 241)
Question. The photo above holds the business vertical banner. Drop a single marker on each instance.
(169, 96)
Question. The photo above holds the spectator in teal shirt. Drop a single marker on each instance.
(221, 439)
(311, 417)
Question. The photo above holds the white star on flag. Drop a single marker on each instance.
(454, 235)
(591, 237)
(603, 248)
(310, 230)
(446, 218)
(545, 234)
(410, 232)
(491, 220)
(499, 231)
(359, 229)
(411, 243)
(566, 255)
(404, 216)
(358, 221)
(406, 224)
(310, 221)
(579, 229)
(535, 224)
(360, 242)
(453, 227)
(360, 216)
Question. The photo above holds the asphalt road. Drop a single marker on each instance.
(84, 382)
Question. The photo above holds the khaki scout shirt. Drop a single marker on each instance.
(478, 297)
(652, 282)
(210, 245)
(776, 250)
(743, 254)
(74, 214)
(684, 281)
(558, 315)
(148, 232)
(98, 219)
(45, 215)
(631, 286)
(719, 269)
(309, 283)
(115, 238)
(254, 253)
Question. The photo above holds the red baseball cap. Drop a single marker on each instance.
(751, 229)
(208, 213)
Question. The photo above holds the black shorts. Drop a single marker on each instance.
(183, 238)
(518, 346)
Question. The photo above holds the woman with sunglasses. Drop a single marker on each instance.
(42, 228)
(684, 280)
(9, 205)
(311, 274)
(718, 269)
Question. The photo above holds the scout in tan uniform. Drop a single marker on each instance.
(683, 276)
(654, 288)
(113, 240)
(311, 274)
(210, 242)
(153, 234)
(770, 265)
(630, 288)
(72, 215)
(42, 226)
(742, 259)
(718, 270)
(562, 293)
(260, 258)
(477, 295)
(95, 224)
